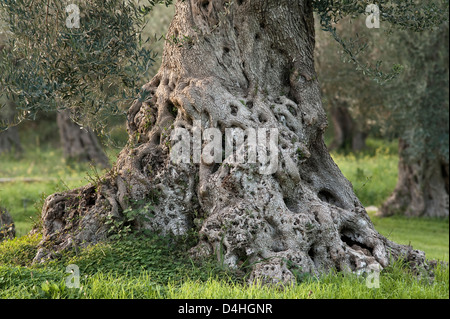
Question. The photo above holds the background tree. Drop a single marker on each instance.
(419, 102)
(7, 227)
(84, 76)
(239, 64)
(78, 143)
(9, 139)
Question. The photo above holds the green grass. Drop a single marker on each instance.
(372, 172)
(394, 284)
(154, 267)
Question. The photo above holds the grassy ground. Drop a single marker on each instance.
(160, 268)
(48, 172)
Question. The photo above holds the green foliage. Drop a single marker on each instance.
(344, 87)
(419, 99)
(97, 69)
(407, 14)
(413, 105)
(55, 290)
(94, 70)
(129, 256)
(135, 214)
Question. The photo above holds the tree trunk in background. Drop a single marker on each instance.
(347, 134)
(9, 139)
(79, 144)
(248, 64)
(422, 188)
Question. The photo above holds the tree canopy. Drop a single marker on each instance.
(96, 68)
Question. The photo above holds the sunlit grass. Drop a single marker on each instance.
(430, 235)
(394, 284)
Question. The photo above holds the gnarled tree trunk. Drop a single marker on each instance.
(422, 188)
(248, 64)
(78, 143)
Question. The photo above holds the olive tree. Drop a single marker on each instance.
(245, 66)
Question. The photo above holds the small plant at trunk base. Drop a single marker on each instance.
(132, 216)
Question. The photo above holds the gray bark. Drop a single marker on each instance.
(78, 143)
(258, 52)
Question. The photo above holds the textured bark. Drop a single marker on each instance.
(347, 134)
(422, 188)
(246, 65)
(79, 144)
